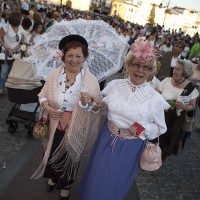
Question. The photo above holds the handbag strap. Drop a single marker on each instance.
(188, 89)
(158, 140)
(43, 110)
(158, 135)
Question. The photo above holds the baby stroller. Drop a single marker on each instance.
(23, 88)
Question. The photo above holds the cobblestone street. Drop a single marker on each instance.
(10, 144)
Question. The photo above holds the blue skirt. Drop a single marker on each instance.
(111, 169)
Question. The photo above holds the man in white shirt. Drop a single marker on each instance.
(152, 79)
(25, 5)
(176, 54)
(40, 5)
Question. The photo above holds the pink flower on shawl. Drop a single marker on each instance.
(60, 54)
(144, 50)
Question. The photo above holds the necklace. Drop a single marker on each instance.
(134, 87)
(68, 84)
(178, 83)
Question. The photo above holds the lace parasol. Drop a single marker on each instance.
(107, 49)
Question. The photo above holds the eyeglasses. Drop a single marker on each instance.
(144, 67)
(17, 38)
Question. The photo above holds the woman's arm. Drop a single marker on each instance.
(86, 100)
(33, 34)
(191, 105)
(186, 107)
(2, 33)
(158, 90)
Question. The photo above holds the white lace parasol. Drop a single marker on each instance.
(107, 49)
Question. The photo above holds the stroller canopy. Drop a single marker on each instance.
(23, 76)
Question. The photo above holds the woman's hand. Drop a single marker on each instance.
(53, 112)
(179, 105)
(85, 98)
(133, 131)
(10, 51)
(100, 104)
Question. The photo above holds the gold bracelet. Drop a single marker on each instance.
(45, 107)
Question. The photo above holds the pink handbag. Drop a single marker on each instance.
(151, 157)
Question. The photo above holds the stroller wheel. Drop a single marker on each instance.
(12, 126)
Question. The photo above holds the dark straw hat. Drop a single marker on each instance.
(70, 38)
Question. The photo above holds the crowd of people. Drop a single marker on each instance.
(73, 100)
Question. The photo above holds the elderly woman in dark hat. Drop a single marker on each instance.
(72, 128)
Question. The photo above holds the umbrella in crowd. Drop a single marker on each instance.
(107, 49)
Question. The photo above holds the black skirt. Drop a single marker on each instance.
(169, 142)
(63, 178)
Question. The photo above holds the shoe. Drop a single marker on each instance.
(50, 187)
(63, 198)
(66, 192)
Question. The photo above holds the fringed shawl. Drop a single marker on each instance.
(83, 126)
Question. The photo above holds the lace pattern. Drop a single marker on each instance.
(106, 48)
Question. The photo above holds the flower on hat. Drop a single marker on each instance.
(144, 50)
(59, 54)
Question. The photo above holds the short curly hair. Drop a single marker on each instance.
(187, 67)
(15, 18)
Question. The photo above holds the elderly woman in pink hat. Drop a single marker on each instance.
(131, 104)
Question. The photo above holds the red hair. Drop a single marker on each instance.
(72, 45)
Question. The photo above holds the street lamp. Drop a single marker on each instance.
(119, 9)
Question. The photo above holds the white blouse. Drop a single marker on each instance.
(126, 107)
(10, 36)
(165, 48)
(170, 92)
(154, 82)
(67, 97)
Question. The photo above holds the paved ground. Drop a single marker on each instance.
(178, 178)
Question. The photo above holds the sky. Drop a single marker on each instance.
(191, 4)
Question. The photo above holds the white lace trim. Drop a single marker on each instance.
(124, 95)
(106, 48)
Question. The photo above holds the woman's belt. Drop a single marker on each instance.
(121, 133)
